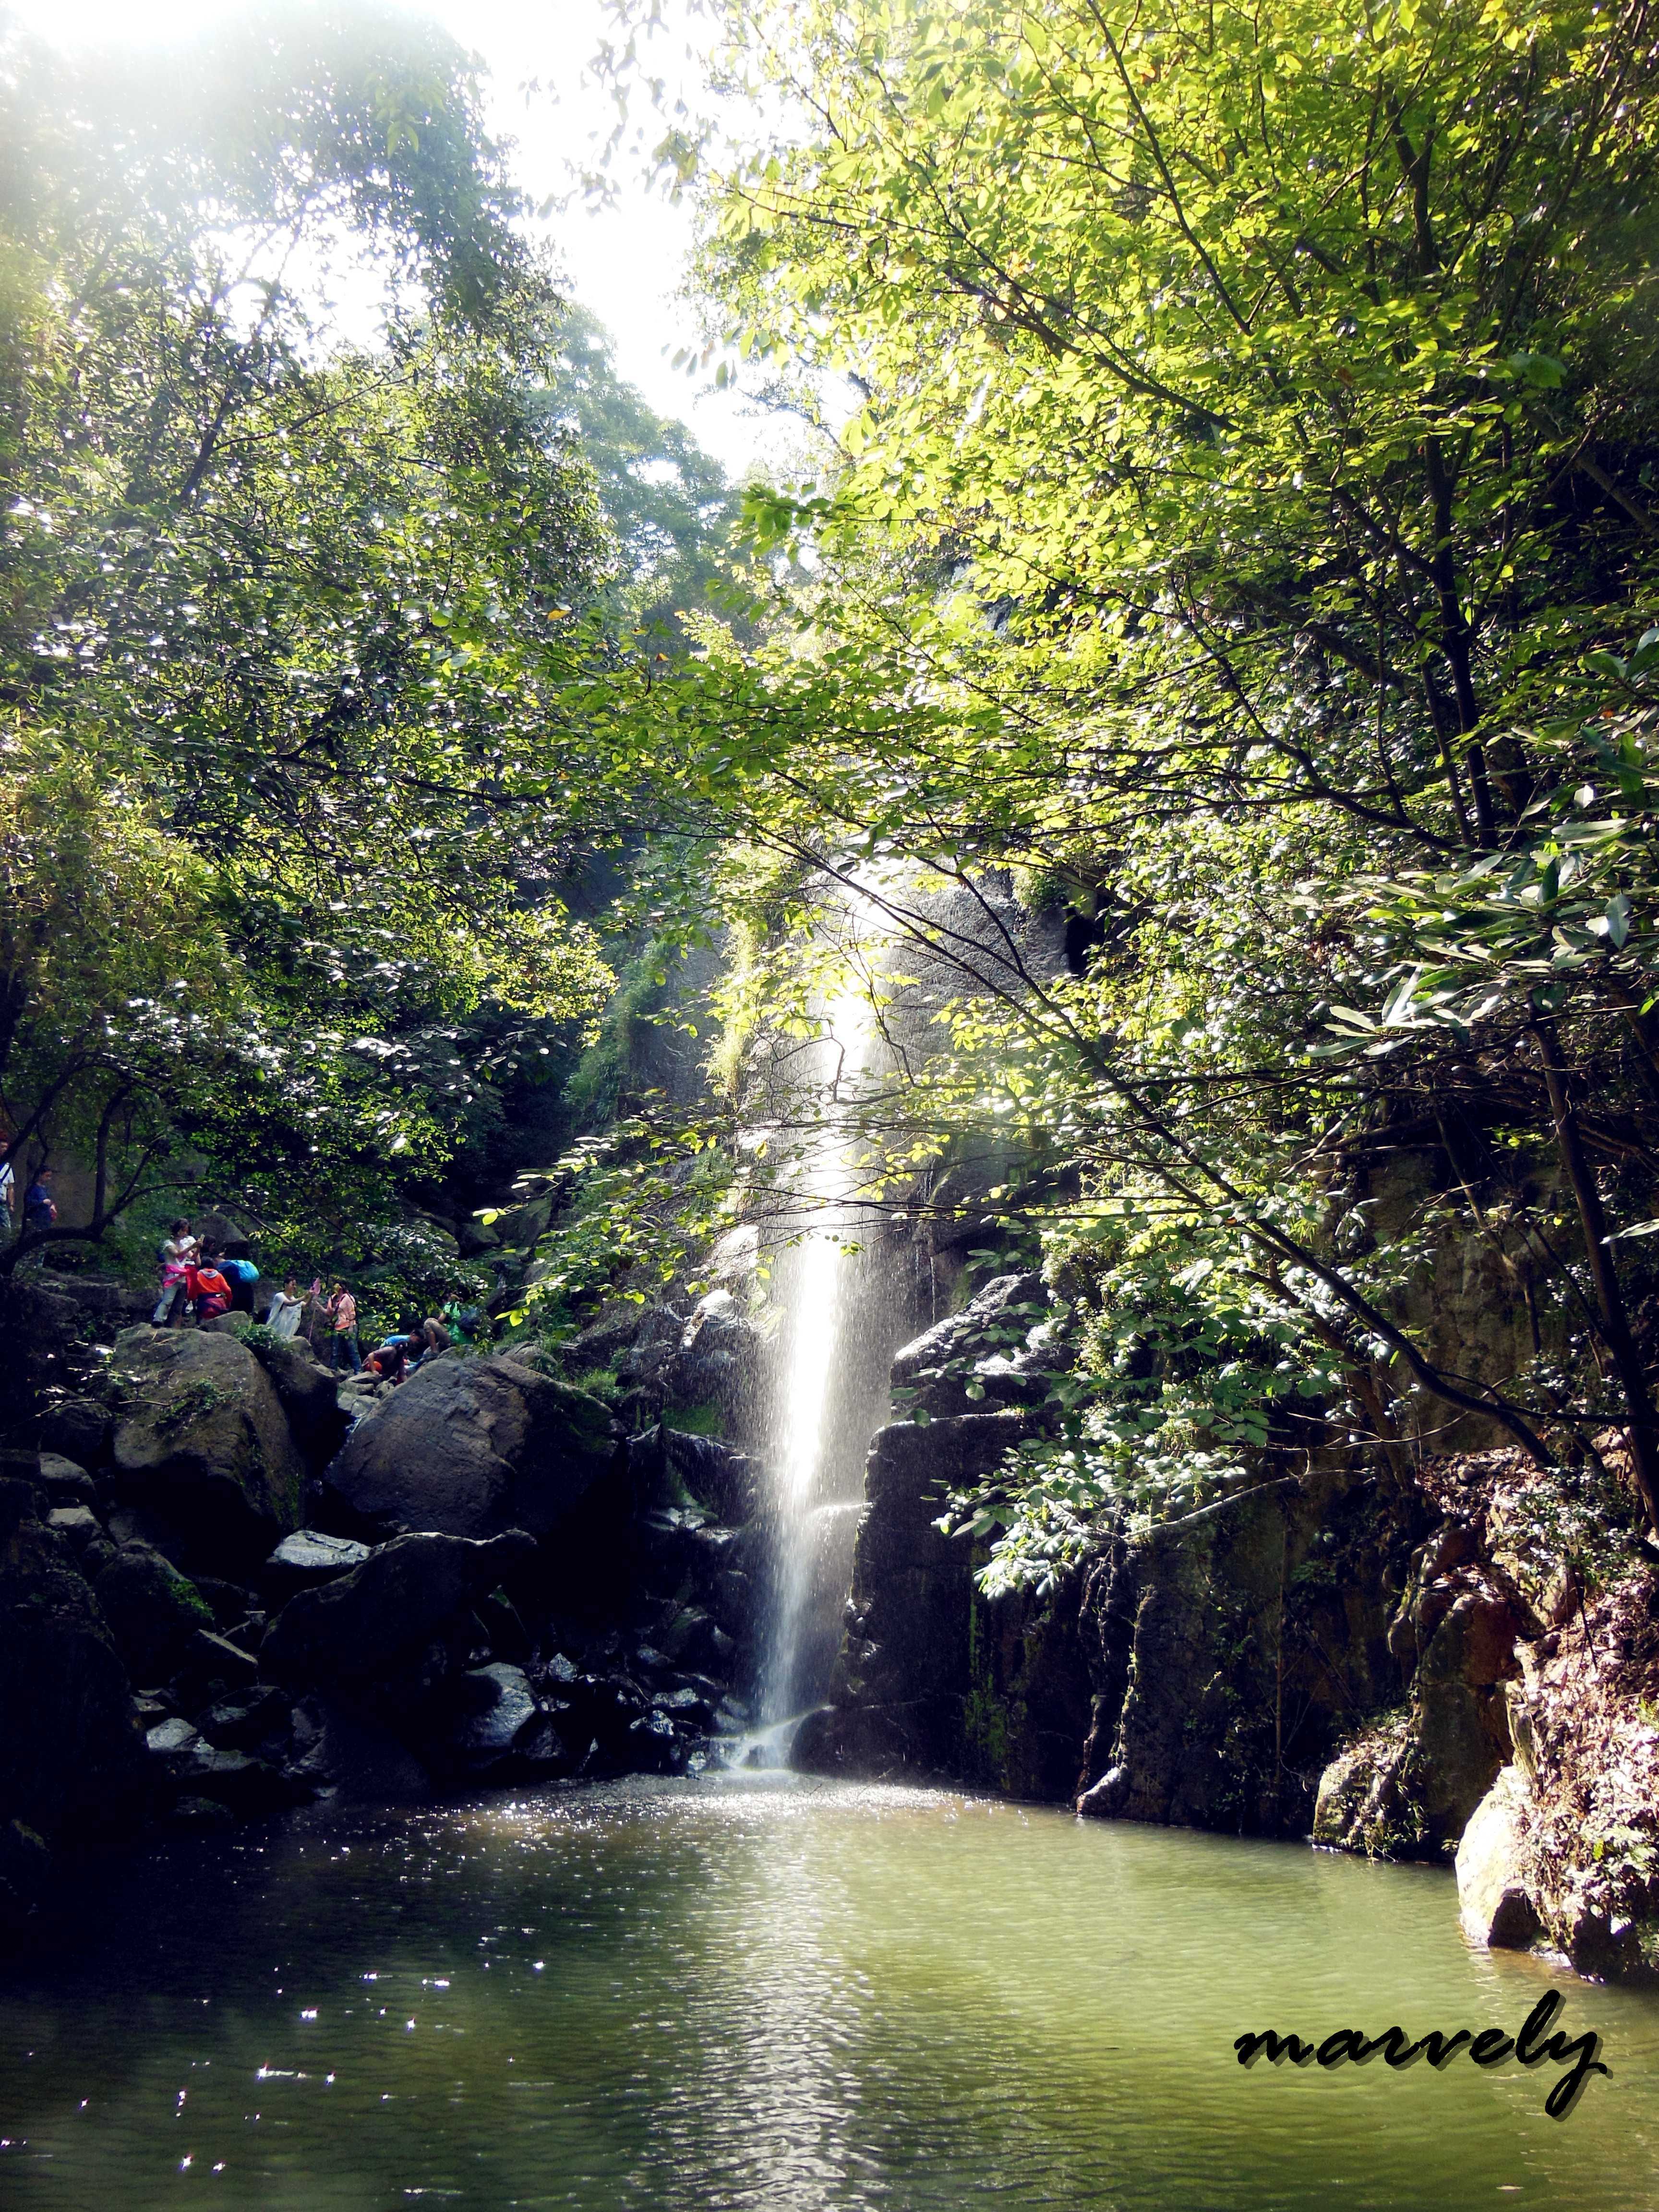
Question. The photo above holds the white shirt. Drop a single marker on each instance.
(283, 1319)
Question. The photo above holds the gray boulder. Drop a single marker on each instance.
(307, 1557)
(471, 1448)
(507, 1708)
(205, 1442)
(364, 1626)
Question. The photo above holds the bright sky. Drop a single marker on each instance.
(625, 261)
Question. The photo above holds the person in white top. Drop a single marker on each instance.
(286, 1307)
(177, 1249)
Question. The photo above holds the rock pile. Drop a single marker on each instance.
(234, 1599)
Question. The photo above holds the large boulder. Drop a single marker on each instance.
(76, 1428)
(205, 1444)
(472, 1447)
(363, 1626)
(1408, 1785)
(1494, 1888)
(309, 1393)
(71, 1757)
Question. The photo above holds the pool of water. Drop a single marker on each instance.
(763, 1991)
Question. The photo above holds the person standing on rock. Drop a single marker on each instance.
(283, 1317)
(40, 1212)
(342, 1309)
(243, 1275)
(209, 1289)
(175, 1253)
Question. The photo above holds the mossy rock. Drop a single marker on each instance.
(205, 1444)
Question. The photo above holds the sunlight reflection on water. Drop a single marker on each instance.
(761, 1991)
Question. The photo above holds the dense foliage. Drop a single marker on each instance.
(297, 636)
(1244, 546)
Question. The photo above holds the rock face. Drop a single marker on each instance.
(71, 1757)
(981, 1358)
(717, 1363)
(1408, 1786)
(904, 1684)
(1197, 1675)
(204, 1444)
(1494, 1891)
(472, 1447)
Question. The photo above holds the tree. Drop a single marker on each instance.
(302, 638)
(1244, 539)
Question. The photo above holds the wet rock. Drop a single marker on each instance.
(154, 1611)
(979, 1359)
(671, 1468)
(657, 1337)
(491, 1732)
(904, 1677)
(692, 1638)
(1110, 1798)
(717, 1363)
(364, 1624)
(205, 1444)
(248, 1788)
(244, 1721)
(472, 1447)
(1494, 1887)
(78, 1522)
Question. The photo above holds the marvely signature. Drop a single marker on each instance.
(1491, 2047)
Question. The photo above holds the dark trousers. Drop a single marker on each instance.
(344, 1343)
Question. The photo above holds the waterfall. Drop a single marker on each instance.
(825, 1412)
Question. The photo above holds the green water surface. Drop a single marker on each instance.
(762, 1991)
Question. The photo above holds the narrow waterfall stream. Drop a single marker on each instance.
(832, 1390)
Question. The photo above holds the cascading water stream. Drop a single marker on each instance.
(818, 1459)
